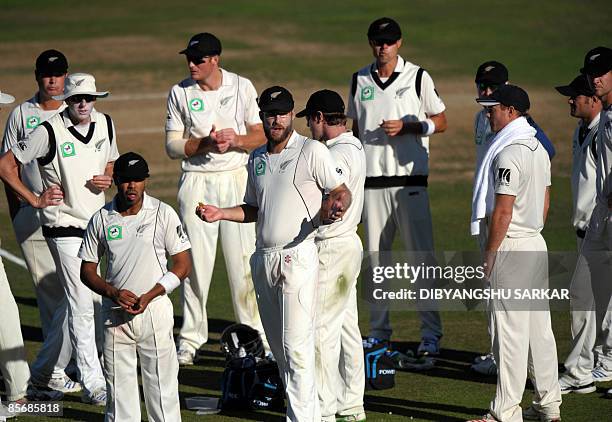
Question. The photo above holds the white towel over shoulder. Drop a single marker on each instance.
(483, 198)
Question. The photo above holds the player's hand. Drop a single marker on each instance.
(52, 196)
(209, 213)
(331, 211)
(392, 127)
(125, 298)
(140, 306)
(226, 139)
(489, 262)
(101, 182)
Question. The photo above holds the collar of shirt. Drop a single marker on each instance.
(226, 80)
(291, 143)
(338, 138)
(147, 204)
(399, 66)
(35, 103)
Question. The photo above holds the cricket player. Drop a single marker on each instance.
(514, 182)
(339, 349)
(75, 150)
(585, 106)
(286, 181)
(395, 108)
(135, 231)
(491, 75)
(54, 356)
(596, 252)
(212, 124)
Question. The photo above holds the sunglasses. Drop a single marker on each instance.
(197, 60)
(380, 43)
(79, 98)
(484, 86)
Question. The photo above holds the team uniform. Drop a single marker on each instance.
(50, 297)
(339, 350)
(136, 249)
(215, 179)
(68, 157)
(285, 264)
(396, 177)
(522, 333)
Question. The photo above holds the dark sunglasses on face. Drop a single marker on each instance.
(196, 60)
(78, 98)
(380, 43)
(484, 86)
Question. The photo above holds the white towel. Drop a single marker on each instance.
(483, 198)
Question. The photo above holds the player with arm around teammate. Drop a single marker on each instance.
(287, 179)
(135, 231)
(339, 350)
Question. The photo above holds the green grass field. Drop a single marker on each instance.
(131, 48)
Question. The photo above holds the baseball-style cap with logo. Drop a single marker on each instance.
(203, 44)
(491, 72)
(384, 29)
(80, 84)
(325, 101)
(51, 62)
(579, 86)
(6, 98)
(597, 62)
(130, 166)
(275, 99)
(508, 95)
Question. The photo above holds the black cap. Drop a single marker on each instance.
(275, 99)
(325, 101)
(508, 95)
(579, 86)
(384, 29)
(203, 44)
(131, 166)
(51, 62)
(597, 62)
(491, 72)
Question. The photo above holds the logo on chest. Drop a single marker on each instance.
(284, 165)
(68, 149)
(196, 105)
(260, 168)
(114, 232)
(99, 144)
(32, 122)
(400, 92)
(367, 93)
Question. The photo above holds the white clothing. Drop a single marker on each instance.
(584, 169)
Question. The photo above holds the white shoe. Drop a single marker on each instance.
(531, 414)
(568, 385)
(64, 384)
(351, 418)
(97, 398)
(185, 357)
(601, 374)
(485, 365)
(5, 414)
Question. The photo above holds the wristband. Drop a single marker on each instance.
(169, 281)
(428, 127)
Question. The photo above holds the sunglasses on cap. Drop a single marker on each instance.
(79, 98)
(483, 86)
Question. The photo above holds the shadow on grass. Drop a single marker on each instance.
(417, 409)
(215, 325)
(26, 301)
(31, 333)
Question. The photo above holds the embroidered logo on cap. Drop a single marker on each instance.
(594, 56)
(275, 94)
(132, 162)
(489, 68)
(52, 59)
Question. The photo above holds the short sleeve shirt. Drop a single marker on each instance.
(522, 169)
(287, 188)
(135, 245)
(193, 112)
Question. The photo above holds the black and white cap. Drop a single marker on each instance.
(508, 95)
(80, 84)
(325, 101)
(275, 99)
(51, 63)
(492, 72)
(384, 29)
(597, 62)
(130, 166)
(201, 45)
(579, 86)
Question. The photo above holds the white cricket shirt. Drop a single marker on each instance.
(522, 169)
(287, 188)
(21, 122)
(68, 159)
(135, 245)
(394, 99)
(483, 135)
(349, 156)
(584, 169)
(193, 111)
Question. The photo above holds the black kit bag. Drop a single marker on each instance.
(268, 391)
(379, 367)
(237, 382)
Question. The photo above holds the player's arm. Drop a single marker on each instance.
(122, 297)
(228, 139)
(500, 221)
(12, 199)
(433, 124)
(244, 213)
(9, 173)
(335, 204)
(546, 203)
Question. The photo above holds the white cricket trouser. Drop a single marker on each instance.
(13, 364)
(385, 211)
(81, 321)
(223, 189)
(523, 339)
(286, 285)
(339, 349)
(56, 351)
(591, 292)
(148, 336)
